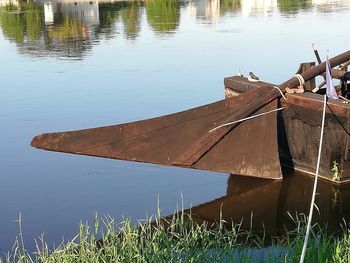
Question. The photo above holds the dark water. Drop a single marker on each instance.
(271, 207)
(71, 65)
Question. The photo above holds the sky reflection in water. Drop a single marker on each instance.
(71, 65)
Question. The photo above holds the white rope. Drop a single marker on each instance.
(301, 79)
(244, 119)
(302, 257)
(276, 87)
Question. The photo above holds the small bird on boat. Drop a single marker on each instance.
(251, 74)
(239, 73)
(252, 77)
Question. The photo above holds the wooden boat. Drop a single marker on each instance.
(299, 130)
(255, 147)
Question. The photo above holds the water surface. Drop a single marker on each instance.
(69, 65)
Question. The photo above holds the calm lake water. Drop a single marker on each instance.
(69, 65)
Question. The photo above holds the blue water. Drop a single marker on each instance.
(118, 75)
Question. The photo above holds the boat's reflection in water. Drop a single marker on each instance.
(272, 206)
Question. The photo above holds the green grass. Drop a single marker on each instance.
(180, 239)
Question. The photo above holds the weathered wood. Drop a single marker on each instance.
(183, 139)
(302, 124)
(243, 85)
(201, 146)
(247, 142)
(298, 133)
(317, 70)
(264, 95)
(311, 84)
(162, 140)
(128, 141)
(313, 101)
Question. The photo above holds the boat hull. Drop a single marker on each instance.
(189, 139)
(299, 131)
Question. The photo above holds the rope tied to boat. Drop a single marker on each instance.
(244, 119)
(301, 79)
(276, 87)
(302, 257)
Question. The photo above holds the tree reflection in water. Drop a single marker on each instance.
(163, 15)
(70, 29)
(23, 22)
(131, 18)
(293, 6)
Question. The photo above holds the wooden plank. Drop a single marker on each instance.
(242, 85)
(162, 140)
(303, 133)
(208, 140)
(254, 149)
(164, 145)
(227, 155)
(271, 153)
(314, 101)
(245, 150)
(82, 140)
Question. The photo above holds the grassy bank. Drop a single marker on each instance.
(180, 239)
